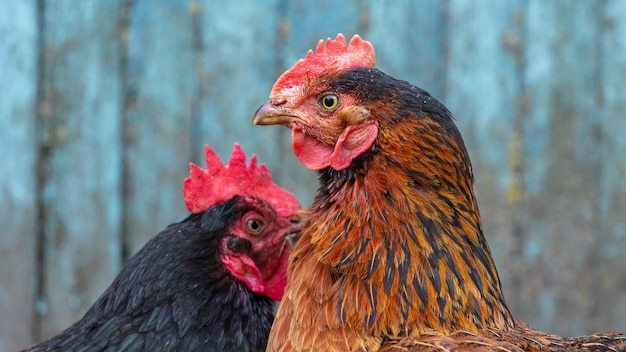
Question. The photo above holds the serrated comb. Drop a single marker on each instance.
(205, 188)
(335, 55)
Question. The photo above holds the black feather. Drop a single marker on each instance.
(175, 295)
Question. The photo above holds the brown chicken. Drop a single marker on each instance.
(393, 255)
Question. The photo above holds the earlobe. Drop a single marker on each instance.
(353, 141)
(354, 115)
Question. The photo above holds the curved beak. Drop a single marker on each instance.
(270, 114)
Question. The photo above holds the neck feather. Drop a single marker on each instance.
(403, 225)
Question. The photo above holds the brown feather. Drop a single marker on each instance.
(393, 255)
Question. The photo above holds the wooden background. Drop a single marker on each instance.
(103, 103)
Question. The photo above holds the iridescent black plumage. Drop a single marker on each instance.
(175, 295)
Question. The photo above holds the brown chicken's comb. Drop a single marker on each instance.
(336, 55)
(206, 188)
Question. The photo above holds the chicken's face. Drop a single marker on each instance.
(257, 247)
(329, 127)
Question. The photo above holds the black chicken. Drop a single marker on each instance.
(207, 283)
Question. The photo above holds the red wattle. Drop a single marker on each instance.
(275, 285)
(352, 142)
(311, 152)
(244, 269)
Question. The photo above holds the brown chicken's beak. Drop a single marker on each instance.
(270, 114)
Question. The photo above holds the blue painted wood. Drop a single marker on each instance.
(611, 192)
(305, 22)
(18, 190)
(161, 83)
(561, 177)
(238, 68)
(81, 162)
(482, 98)
(410, 41)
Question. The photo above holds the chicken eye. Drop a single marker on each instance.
(329, 101)
(254, 226)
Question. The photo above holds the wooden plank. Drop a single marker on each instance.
(482, 82)
(410, 42)
(160, 80)
(610, 308)
(304, 23)
(18, 191)
(82, 158)
(484, 91)
(238, 68)
(563, 160)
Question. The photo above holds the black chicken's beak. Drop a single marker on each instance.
(297, 224)
(270, 114)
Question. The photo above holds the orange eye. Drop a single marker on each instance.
(329, 101)
(254, 226)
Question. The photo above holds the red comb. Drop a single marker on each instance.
(336, 55)
(206, 188)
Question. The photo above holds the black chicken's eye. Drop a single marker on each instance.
(329, 101)
(254, 226)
